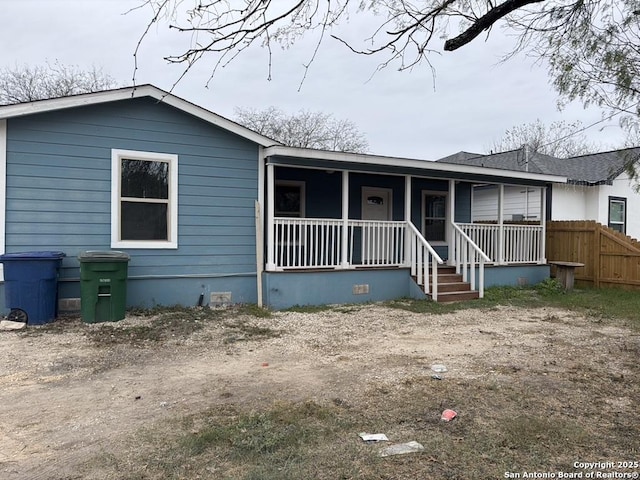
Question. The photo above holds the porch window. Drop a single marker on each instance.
(144, 210)
(434, 216)
(289, 201)
(618, 214)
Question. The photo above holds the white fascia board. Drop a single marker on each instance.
(41, 106)
(106, 96)
(425, 165)
(216, 119)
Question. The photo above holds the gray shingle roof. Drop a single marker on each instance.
(460, 157)
(595, 168)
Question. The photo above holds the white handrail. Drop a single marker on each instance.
(418, 259)
(466, 254)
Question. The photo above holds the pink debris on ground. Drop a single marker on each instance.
(448, 415)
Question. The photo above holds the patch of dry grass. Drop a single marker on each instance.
(539, 407)
(509, 421)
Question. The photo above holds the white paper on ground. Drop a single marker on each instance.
(401, 449)
(374, 437)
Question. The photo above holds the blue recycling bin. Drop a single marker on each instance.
(31, 285)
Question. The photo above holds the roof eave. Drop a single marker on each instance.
(61, 103)
(345, 157)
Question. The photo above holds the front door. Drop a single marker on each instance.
(434, 216)
(376, 237)
(376, 203)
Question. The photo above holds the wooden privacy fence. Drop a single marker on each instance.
(611, 259)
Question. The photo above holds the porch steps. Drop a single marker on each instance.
(457, 296)
(451, 288)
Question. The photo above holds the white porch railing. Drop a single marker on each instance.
(307, 242)
(318, 243)
(507, 243)
(381, 243)
(466, 256)
(523, 244)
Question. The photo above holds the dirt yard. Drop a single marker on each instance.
(73, 392)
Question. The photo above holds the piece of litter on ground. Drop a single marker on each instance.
(9, 325)
(373, 437)
(438, 368)
(401, 449)
(448, 415)
(436, 377)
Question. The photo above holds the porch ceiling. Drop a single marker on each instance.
(326, 160)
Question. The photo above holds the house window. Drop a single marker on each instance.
(618, 214)
(144, 200)
(289, 201)
(434, 216)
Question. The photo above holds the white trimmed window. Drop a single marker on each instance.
(144, 199)
(618, 214)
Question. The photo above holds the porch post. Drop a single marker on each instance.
(407, 219)
(452, 216)
(542, 258)
(344, 245)
(500, 224)
(271, 196)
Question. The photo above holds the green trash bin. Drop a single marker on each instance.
(103, 286)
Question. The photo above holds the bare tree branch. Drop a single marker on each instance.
(559, 139)
(485, 22)
(29, 83)
(304, 129)
(591, 47)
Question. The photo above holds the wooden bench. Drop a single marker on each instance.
(566, 272)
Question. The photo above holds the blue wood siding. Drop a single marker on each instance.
(463, 203)
(59, 187)
(323, 190)
(323, 193)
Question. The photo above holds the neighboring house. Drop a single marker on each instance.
(598, 188)
(206, 207)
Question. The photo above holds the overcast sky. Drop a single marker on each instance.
(475, 98)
